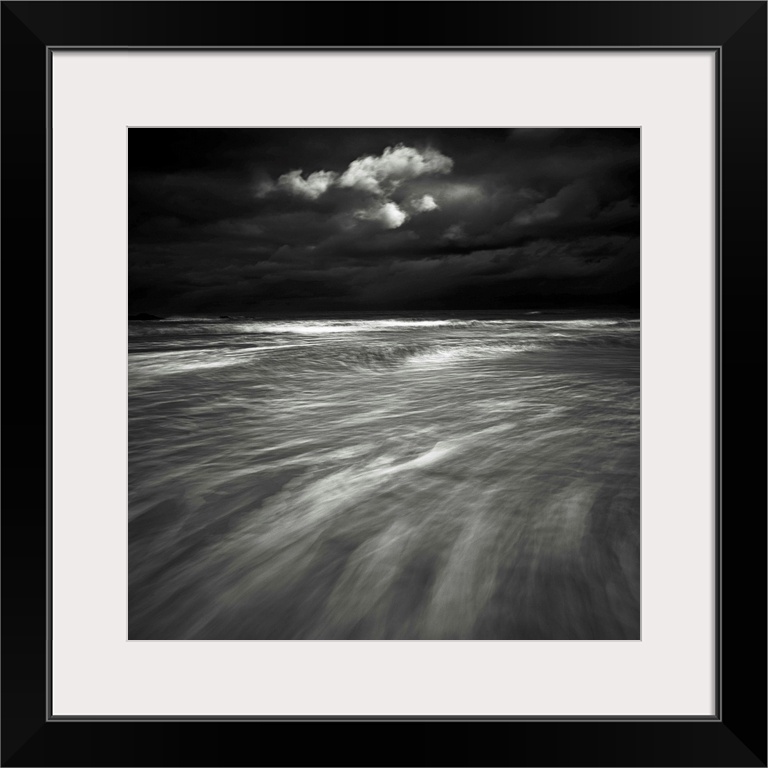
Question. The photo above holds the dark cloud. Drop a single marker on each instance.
(241, 220)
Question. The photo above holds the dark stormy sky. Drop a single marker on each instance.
(317, 220)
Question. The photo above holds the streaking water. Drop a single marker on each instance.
(408, 477)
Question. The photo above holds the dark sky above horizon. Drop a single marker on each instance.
(316, 220)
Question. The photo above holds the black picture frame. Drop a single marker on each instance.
(736, 735)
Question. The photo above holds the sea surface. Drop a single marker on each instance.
(413, 476)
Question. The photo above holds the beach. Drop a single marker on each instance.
(403, 476)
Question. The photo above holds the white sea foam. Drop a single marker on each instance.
(340, 326)
(454, 354)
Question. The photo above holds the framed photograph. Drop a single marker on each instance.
(385, 382)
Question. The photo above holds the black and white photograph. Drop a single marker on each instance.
(384, 383)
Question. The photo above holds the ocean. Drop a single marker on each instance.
(412, 476)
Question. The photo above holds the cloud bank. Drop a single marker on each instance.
(284, 220)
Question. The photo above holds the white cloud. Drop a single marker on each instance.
(424, 204)
(389, 214)
(311, 187)
(378, 175)
(381, 174)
